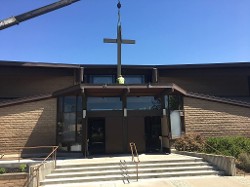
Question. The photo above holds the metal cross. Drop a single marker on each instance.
(119, 42)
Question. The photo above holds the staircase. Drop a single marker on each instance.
(99, 171)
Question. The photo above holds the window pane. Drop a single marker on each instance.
(79, 103)
(102, 79)
(166, 101)
(104, 103)
(134, 79)
(68, 133)
(69, 104)
(143, 103)
(174, 102)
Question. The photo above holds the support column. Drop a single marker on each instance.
(84, 126)
(125, 123)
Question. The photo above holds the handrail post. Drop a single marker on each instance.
(137, 175)
(133, 152)
(55, 157)
(37, 176)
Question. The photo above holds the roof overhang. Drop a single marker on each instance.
(37, 64)
(120, 90)
(90, 90)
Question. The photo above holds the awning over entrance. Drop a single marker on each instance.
(114, 90)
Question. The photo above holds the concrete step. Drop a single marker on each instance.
(130, 177)
(99, 164)
(81, 171)
(128, 171)
(129, 165)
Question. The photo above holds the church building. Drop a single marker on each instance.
(82, 109)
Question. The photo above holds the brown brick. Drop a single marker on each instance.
(216, 119)
(29, 124)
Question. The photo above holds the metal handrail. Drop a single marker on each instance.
(43, 162)
(124, 170)
(36, 169)
(134, 154)
(22, 148)
(213, 148)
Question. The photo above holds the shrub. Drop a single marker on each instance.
(2, 170)
(23, 167)
(243, 162)
(229, 146)
(190, 142)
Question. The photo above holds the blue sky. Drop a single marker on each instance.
(166, 32)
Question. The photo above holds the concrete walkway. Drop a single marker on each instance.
(213, 181)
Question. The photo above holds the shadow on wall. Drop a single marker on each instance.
(28, 124)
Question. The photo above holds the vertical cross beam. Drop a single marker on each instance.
(119, 41)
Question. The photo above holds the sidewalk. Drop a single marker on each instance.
(213, 181)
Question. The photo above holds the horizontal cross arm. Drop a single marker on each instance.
(128, 41)
(107, 40)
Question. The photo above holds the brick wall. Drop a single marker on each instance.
(216, 119)
(28, 124)
(13, 180)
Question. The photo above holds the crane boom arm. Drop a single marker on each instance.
(14, 20)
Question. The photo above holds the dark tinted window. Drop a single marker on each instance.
(143, 103)
(104, 103)
(101, 79)
(134, 79)
(173, 102)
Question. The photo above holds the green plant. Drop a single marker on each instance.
(230, 146)
(22, 167)
(2, 170)
(190, 142)
(243, 162)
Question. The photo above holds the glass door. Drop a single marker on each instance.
(96, 135)
(153, 133)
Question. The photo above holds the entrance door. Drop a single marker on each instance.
(152, 133)
(96, 135)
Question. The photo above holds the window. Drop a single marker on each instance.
(134, 79)
(104, 103)
(101, 79)
(69, 124)
(173, 102)
(111, 79)
(143, 103)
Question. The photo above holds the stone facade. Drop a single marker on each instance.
(215, 119)
(28, 124)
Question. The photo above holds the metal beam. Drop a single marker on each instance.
(34, 13)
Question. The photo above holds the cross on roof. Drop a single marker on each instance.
(119, 42)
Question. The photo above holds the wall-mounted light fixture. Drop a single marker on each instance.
(164, 112)
(125, 112)
(83, 113)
